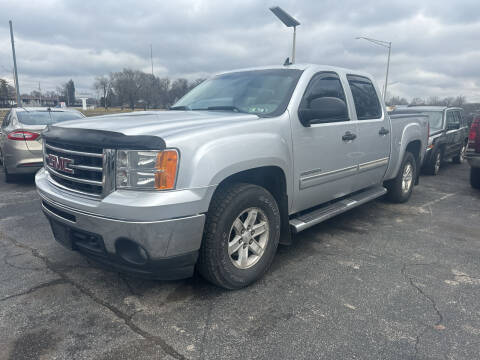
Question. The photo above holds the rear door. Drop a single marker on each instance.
(324, 153)
(452, 132)
(374, 132)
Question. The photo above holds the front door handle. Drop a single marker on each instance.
(383, 131)
(349, 136)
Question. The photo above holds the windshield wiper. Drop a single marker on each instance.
(181, 107)
(227, 107)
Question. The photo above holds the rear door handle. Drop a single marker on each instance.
(383, 131)
(349, 136)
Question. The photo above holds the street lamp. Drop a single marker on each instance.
(289, 21)
(388, 45)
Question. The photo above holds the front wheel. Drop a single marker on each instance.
(241, 236)
(400, 189)
(433, 166)
(475, 177)
(461, 155)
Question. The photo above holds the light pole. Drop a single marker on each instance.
(19, 100)
(388, 45)
(289, 21)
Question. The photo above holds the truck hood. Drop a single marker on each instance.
(160, 123)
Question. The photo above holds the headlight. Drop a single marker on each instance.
(146, 170)
(430, 144)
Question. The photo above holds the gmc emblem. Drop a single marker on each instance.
(60, 163)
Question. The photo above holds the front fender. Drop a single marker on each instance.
(220, 158)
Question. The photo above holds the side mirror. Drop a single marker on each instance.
(323, 110)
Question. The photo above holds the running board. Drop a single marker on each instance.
(314, 217)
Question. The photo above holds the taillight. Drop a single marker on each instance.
(474, 136)
(23, 135)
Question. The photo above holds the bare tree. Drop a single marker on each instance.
(396, 100)
(103, 85)
(459, 101)
(127, 84)
(417, 101)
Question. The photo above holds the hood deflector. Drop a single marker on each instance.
(103, 139)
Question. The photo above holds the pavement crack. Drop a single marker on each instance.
(156, 340)
(5, 261)
(35, 288)
(430, 299)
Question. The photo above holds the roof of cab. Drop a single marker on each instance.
(303, 67)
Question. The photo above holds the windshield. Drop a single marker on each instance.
(44, 117)
(435, 119)
(261, 92)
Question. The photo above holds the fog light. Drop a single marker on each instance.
(131, 252)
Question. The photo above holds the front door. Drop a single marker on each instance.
(374, 133)
(324, 152)
(452, 133)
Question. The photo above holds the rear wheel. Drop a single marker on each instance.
(8, 177)
(241, 236)
(400, 189)
(458, 159)
(475, 177)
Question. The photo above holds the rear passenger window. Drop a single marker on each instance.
(6, 120)
(365, 98)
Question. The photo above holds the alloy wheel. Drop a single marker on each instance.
(407, 178)
(248, 238)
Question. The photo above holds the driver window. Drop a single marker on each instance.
(451, 118)
(323, 85)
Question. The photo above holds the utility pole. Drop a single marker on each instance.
(151, 57)
(385, 44)
(19, 100)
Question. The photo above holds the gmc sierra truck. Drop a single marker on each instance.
(238, 165)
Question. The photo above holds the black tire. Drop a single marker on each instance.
(7, 176)
(475, 177)
(214, 263)
(396, 193)
(459, 159)
(433, 166)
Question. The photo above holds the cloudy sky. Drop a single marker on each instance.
(435, 51)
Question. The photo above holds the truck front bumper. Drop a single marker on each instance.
(164, 249)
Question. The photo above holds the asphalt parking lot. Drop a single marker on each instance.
(381, 282)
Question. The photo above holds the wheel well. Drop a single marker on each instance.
(414, 148)
(274, 180)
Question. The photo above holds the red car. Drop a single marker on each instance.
(473, 153)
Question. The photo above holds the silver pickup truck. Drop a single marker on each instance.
(238, 165)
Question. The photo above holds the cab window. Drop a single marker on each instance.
(365, 98)
(324, 100)
(453, 121)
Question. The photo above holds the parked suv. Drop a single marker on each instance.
(448, 135)
(239, 164)
(21, 140)
(473, 153)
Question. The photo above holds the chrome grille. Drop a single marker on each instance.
(78, 168)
